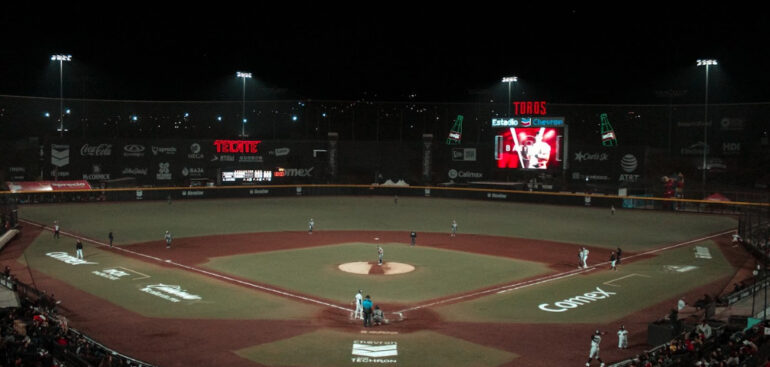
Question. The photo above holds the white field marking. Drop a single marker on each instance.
(215, 275)
(557, 276)
(144, 276)
(624, 277)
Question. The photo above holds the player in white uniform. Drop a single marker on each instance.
(585, 257)
(359, 313)
(168, 239)
(380, 254)
(539, 152)
(310, 226)
(454, 228)
(622, 337)
(596, 339)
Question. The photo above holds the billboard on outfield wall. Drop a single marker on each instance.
(174, 162)
(611, 165)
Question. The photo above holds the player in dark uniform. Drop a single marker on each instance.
(79, 250)
(414, 237)
(111, 237)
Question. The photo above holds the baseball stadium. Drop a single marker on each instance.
(506, 230)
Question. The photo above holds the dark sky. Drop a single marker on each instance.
(561, 54)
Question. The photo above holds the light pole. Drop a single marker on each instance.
(706, 63)
(61, 59)
(509, 80)
(244, 76)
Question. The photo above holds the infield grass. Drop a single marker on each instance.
(437, 272)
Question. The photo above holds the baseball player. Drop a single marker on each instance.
(612, 209)
(596, 339)
(359, 312)
(585, 257)
(612, 261)
(79, 250)
(56, 229)
(414, 237)
(310, 226)
(111, 237)
(168, 239)
(454, 227)
(622, 337)
(380, 253)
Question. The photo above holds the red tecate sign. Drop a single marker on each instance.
(529, 108)
(237, 146)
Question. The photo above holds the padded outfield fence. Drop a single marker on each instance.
(454, 192)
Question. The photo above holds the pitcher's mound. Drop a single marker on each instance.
(387, 268)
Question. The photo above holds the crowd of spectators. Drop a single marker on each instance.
(34, 335)
(701, 347)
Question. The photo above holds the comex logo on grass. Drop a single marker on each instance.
(576, 301)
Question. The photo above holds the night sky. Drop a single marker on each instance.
(561, 54)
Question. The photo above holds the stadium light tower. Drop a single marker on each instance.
(244, 76)
(509, 80)
(706, 63)
(61, 59)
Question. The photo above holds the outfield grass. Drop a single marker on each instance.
(438, 272)
(147, 221)
(327, 348)
(219, 300)
(643, 284)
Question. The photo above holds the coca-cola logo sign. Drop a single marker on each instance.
(101, 150)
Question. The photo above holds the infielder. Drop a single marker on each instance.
(622, 337)
(595, 340)
(612, 261)
(359, 312)
(454, 227)
(585, 257)
(168, 239)
(79, 250)
(310, 226)
(380, 253)
(56, 230)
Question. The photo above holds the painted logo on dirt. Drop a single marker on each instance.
(67, 258)
(173, 293)
(577, 301)
(368, 351)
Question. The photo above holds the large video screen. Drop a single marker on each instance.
(535, 148)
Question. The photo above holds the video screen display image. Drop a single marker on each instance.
(535, 148)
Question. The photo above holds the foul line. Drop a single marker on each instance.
(557, 276)
(624, 277)
(223, 277)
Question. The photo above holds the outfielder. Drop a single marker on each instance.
(79, 250)
(596, 339)
(622, 337)
(454, 227)
(168, 239)
(310, 226)
(359, 312)
(56, 229)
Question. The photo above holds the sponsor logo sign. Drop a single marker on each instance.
(294, 172)
(139, 194)
(223, 158)
(629, 164)
(133, 150)
(695, 149)
(368, 351)
(249, 159)
(195, 151)
(464, 154)
(192, 193)
(101, 150)
(96, 173)
(111, 274)
(16, 173)
(731, 123)
(163, 150)
(494, 195)
(280, 152)
(259, 191)
(173, 293)
(67, 258)
(453, 173)
(192, 172)
(599, 157)
(577, 301)
(529, 122)
(731, 148)
(164, 172)
(60, 155)
(135, 171)
(237, 146)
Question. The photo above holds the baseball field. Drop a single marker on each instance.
(245, 284)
